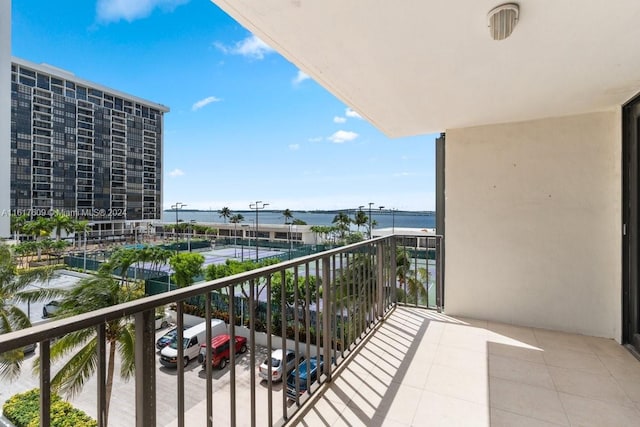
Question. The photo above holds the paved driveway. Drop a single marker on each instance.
(122, 406)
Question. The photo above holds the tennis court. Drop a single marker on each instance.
(221, 255)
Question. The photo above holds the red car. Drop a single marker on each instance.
(220, 350)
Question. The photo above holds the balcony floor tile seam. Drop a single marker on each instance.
(537, 420)
(619, 408)
(554, 392)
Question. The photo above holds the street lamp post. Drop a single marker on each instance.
(258, 205)
(176, 207)
(380, 207)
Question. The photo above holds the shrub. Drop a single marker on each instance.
(23, 410)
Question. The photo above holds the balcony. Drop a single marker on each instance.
(422, 367)
(394, 363)
(326, 321)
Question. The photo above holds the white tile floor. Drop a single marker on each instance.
(424, 368)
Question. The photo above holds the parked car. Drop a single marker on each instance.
(164, 340)
(308, 369)
(220, 350)
(277, 365)
(162, 321)
(50, 308)
(192, 338)
(30, 348)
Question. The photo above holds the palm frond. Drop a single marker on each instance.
(5, 322)
(126, 349)
(40, 274)
(10, 364)
(72, 377)
(66, 345)
(18, 318)
(39, 294)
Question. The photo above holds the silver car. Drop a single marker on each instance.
(277, 365)
(50, 308)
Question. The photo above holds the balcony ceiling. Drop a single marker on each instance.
(422, 66)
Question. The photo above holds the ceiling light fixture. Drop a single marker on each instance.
(502, 20)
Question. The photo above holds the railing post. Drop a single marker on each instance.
(232, 355)
(145, 355)
(394, 271)
(439, 275)
(207, 361)
(179, 361)
(326, 316)
(252, 345)
(101, 375)
(380, 278)
(45, 384)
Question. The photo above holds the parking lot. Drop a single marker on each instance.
(122, 406)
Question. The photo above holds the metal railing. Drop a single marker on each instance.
(321, 306)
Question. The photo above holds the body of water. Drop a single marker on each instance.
(384, 219)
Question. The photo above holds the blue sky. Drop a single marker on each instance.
(245, 124)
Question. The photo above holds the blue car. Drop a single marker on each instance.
(166, 339)
(314, 367)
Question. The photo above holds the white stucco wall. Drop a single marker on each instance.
(5, 115)
(533, 222)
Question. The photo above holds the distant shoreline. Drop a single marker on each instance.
(318, 211)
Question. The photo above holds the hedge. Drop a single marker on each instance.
(23, 410)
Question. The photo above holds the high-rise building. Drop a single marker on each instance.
(5, 115)
(83, 149)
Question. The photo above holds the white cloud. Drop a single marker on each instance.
(350, 113)
(251, 47)
(316, 139)
(128, 10)
(338, 119)
(342, 136)
(294, 147)
(206, 101)
(176, 172)
(300, 77)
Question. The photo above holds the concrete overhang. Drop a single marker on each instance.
(423, 66)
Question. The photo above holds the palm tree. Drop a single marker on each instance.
(360, 219)
(93, 293)
(322, 230)
(120, 261)
(159, 257)
(236, 219)
(288, 215)
(417, 286)
(15, 288)
(39, 228)
(17, 224)
(59, 222)
(414, 287)
(80, 227)
(342, 221)
(224, 213)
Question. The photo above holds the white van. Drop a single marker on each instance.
(193, 337)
